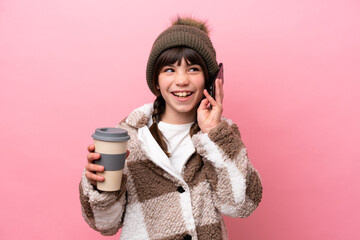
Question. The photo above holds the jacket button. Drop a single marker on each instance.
(181, 189)
(187, 237)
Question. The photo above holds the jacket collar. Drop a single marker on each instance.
(141, 116)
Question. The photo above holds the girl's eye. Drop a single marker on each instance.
(168, 70)
(194, 69)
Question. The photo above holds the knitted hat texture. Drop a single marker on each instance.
(183, 34)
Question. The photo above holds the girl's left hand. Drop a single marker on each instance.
(207, 117)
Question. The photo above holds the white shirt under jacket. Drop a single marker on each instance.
(179, 142)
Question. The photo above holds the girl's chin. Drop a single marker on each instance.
(184, 109)
(191, 109)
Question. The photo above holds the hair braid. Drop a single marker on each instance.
(194, 128)
(159, 108)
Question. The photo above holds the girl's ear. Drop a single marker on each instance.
(157, 90)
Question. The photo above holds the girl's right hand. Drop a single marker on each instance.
(91, 168)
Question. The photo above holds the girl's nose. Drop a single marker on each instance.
(181, 79)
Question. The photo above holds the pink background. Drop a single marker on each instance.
(292, 85)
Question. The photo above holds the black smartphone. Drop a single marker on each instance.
(219, 74)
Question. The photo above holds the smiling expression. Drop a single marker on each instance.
(181, 85)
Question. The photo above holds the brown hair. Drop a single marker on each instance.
(168, 57)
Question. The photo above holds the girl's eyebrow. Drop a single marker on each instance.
(187, 64)
(169, 65)
(193, 64)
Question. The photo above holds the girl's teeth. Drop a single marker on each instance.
(181, 94)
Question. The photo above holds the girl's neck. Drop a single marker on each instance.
(178, 118)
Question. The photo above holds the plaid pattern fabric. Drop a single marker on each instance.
(153, 204)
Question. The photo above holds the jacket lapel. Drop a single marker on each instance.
(140, 118)
(155, 153)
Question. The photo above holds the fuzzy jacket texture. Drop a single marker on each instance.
(154, 203)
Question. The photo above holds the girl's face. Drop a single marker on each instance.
(181, 85)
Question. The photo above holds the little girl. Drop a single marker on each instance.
(187, 164)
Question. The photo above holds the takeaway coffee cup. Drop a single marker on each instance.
(111, 143)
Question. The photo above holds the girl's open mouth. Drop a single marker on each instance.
(182, 94)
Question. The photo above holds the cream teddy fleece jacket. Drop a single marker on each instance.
(157, 203)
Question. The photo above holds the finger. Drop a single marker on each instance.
(93, 182)
(203, 104)
(222, 90)
(94, 177)
(210, 98)
(91, 148)
(94, 167)
(93, 156)
(219, 91)
(127, 153)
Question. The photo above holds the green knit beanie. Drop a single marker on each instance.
(184, 32)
